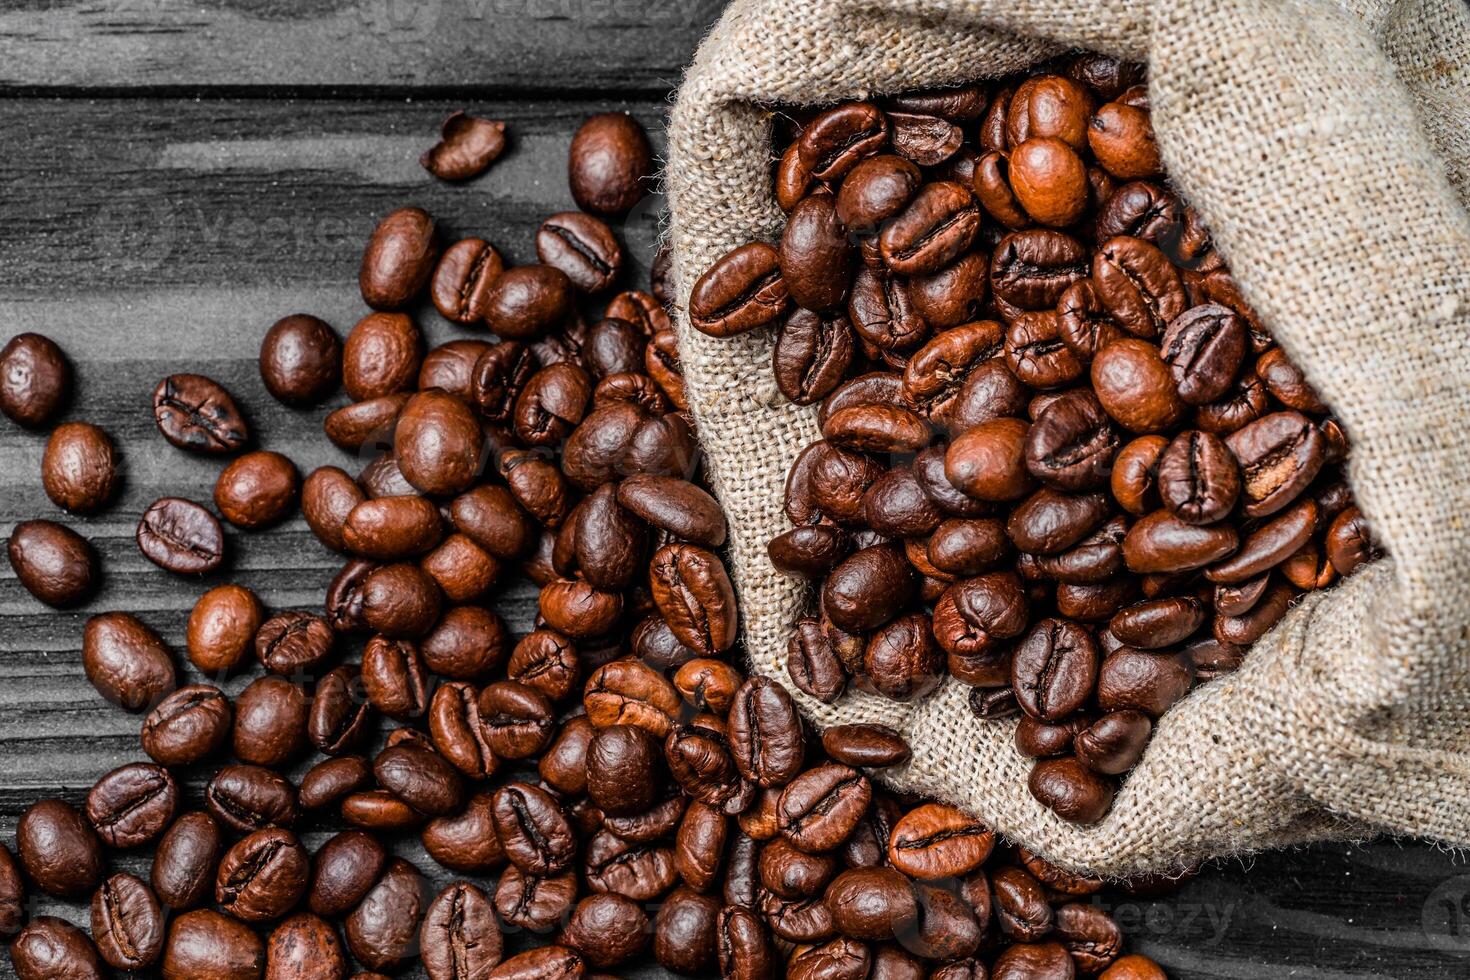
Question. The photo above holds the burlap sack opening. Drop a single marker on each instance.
(1326, 146)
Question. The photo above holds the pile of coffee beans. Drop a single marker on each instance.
(1062, 460)
(607, 787)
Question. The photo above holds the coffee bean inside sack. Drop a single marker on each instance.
(1062, 459)
(602, 787)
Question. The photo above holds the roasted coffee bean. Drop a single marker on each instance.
(197, 414)
(536, 903)
(1157, 623)
(301, 359)
(744, 945)
(1138, 284)
(344, 870)
(437, 443)
(865, 746)
(623, 765)
(1350, 541)
(872, 904)
(937, 841)
(938, 224)
(293, 642)
(132, 805)
(383, 931)
(820, 808)
(684, 932)
(341, 708)
(677, 506)
(1071, 790)
(837, 139)
(466, 147)
(1147, 682)
(330, 781)
(1135, 387)
(627, 692)
(222, 628)
(1198, 479)
(460, 937)
(816, 256)
(49, 947)
(1279, 455)
(188, 725)
(875, 190)
(58, 849)
(381, 357)
(1162, 542)
(1204, 348)
(609, 164)
(1021, 907)
(420, 777)
(304, 946)
(182, 537)
(398, 259)
(549, 962)
(126, 661)
(127, 923)
(640, 870)
(54, 563)
(812, 663)
(1030, 270)
(581, 246)
(206, 944)
(35, 379)
(1269, 545)
(901, 660)
(1115, 742)
(533, 829)
(695, 597)
(1054, 669)
(766, 740)
(79, 469)
(270, 722)
(742, 291)
(184, 862)
(400, 601)
(365, 423)
(608, 930)
(262, 876)
(249, 798)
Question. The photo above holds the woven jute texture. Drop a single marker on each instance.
(1327, 145)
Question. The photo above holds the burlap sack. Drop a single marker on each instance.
(1326, 146)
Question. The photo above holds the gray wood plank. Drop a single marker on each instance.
(532, 45)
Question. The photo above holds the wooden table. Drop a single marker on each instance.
(175, 176)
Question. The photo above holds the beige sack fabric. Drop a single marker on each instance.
(1326, 146)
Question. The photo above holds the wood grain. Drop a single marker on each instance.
(379, 45)
(149, 232)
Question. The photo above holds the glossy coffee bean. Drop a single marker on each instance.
(420, 777)
(460, 937)
(528, 301)
(58, 849)
(581, 246)
(381, 357)
(35, 379)
(247, 798)
(257, 490)
(55, 564)
(742, 291)
(132, 805)
(270, 722)
(182, 537)
(609, 163)
(184, 862)
(398, 259)
(936, 841)
(205, 945)
(695, 597)
(79, 469)
(400, 600)
(331, 781)
(301, 359)
(127, 923)
(126, 661)
(438, 443)
(49, 947)
(197, 414)
(263, 876)
(304, 946)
